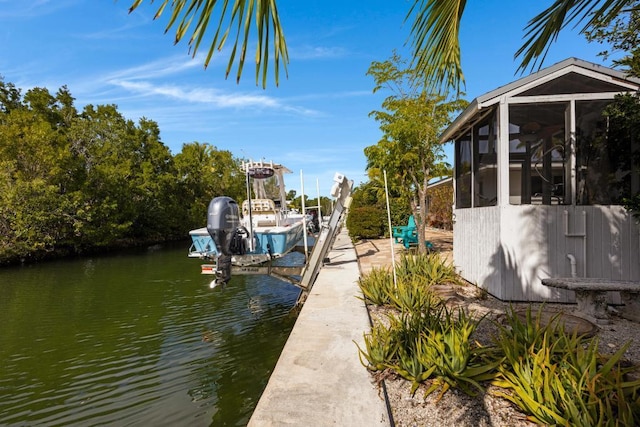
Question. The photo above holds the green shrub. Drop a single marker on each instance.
(366, 222)
(432, 344)
(430, 267)
(412, 296)
(561, 379)
(381, 348)
(377, 286)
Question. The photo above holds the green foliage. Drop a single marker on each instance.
(377, 286)
(621, 33)
(239, 18)
(561, 379)
(412, 295)
(632, 204)
(372, 193)
(431, 269)
(73, 182)
(555, 377)
(368, 222)
(415, 274)
(427, 341)
(380, 348)
(458, 362)
(411, 121)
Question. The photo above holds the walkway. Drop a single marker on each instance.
(319, 380)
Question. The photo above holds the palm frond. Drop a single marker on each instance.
(543, 29)
(435, 44)
(241, 17)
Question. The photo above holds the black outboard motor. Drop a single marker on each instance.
(223, 217)
(223, 225)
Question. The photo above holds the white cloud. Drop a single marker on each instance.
(198, 95)
(316, 52)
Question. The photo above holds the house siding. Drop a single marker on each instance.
(509, 250)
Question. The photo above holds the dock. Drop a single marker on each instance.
(318, 379)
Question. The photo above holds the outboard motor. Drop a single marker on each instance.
(223, 217)
(223, 225)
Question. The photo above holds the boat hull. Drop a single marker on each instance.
(270, 242)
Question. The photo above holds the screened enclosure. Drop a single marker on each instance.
(542, 166)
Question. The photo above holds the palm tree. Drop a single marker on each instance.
(435, 32)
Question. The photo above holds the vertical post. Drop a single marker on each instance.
(393, 257)
(251, 243)
(503, 153)
(319, 208)
(304, 218)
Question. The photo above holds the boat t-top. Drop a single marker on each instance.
(262, 230)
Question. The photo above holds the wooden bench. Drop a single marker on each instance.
(591, 296)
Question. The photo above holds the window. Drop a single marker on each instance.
(463, 171)
(485, 167)
(607, 151)
(537, 161)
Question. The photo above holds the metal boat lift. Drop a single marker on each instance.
(304, 276)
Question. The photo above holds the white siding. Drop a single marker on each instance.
(476, 240)
(509, 250)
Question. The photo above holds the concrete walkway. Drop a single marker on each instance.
(319, 380)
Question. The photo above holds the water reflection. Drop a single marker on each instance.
(138, 339)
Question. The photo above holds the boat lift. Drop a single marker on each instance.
(304, 276)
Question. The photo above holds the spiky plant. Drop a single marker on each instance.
(380, 348)
(412, 296)
(560, 379)
(459, 362)
(431, 268)
(377, 286)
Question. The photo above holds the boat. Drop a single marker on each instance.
(261, 230)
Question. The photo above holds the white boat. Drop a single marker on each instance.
(264, 229)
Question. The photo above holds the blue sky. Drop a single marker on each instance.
(316, 120)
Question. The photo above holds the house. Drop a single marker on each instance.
(540, 172)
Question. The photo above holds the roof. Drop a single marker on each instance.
(609, 75)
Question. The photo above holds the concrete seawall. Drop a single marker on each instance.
(319, 380)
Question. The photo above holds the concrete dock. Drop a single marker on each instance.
(319, 380)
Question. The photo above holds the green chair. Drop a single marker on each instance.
(408, 234)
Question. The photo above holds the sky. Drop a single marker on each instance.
(316, 121)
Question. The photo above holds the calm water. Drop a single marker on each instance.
(136, 339)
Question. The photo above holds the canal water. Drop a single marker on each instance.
(137, 338)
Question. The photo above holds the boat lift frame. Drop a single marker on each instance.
(308, 273)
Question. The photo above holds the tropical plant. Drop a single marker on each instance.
(412, 296)
(430, 268)
(377, 286)
(435, 32)
(410, 151)
(458, 361)
(560, 378)
(380, 348)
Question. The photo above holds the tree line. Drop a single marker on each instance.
(74, 181)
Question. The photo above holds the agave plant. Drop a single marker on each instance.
(380, 349)
(412, 364)
(377, 286)
(559, 378)
(412, 296)
(431, 268)
(518, 336)
(459, 363)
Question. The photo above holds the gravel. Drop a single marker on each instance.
(456, 408)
